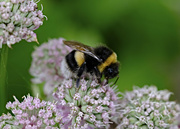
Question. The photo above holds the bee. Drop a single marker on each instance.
(95, 62)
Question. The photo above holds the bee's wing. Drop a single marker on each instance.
(82, 48)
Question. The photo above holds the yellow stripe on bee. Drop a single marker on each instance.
(111, 59)
(79, 57)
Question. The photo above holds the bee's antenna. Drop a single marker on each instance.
(116, 80)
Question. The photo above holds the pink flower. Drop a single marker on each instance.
(46, 63)
(150, 107)
(19, 16)
(93, 108)
(31, 113)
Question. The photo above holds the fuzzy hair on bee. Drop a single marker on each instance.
(86, 60)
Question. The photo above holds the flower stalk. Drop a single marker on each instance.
(3, 76)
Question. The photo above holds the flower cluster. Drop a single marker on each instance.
(31, 114)
(89, 106)
(46, 64)
(148, 108)
(18, 19)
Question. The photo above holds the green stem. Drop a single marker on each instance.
(3, 77)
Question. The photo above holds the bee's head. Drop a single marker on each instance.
(111, 71)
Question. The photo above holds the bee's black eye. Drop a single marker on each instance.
(111, 71)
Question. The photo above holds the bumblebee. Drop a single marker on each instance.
(89, 61)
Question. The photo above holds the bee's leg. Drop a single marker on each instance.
(79, 73)
(116, 80)
(98, 74)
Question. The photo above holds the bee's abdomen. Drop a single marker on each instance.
(71, 61)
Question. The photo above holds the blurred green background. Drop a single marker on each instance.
(145, 34)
